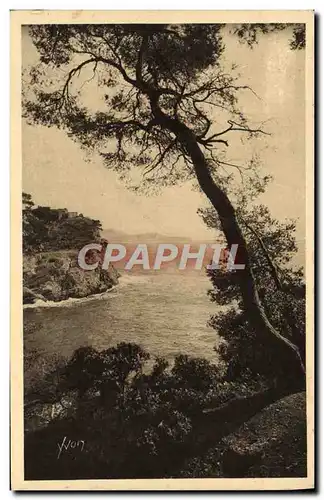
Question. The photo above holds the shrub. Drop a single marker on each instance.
(125, 410)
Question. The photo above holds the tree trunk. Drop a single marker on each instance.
(289, 353)
(216, 422)
(233, 235)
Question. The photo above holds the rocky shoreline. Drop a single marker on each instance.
(55, 277)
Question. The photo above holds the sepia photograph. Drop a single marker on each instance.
(162, 250)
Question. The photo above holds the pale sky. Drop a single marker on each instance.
(55, 172)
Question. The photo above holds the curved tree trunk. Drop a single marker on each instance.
(212, 425)
(289, 353)
(233, 235)
(298, 338)
(229, 416)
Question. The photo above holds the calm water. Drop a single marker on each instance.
(164, 312)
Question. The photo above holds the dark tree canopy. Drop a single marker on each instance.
(250, 33)
(134, 70)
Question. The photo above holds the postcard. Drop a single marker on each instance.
(162, 250)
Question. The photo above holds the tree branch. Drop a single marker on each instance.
(160, 157)
(272, 266)
(139, 64)
(236, 127)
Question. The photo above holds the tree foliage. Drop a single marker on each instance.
(47, 229)
(133, 69)
(250, 33)
(281, 286)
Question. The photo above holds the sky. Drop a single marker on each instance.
(56, 173)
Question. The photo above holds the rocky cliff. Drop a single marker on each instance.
(56, 276)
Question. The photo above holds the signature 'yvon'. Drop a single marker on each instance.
(69, 444)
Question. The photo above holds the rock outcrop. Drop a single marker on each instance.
(56, 276)
(271, 444)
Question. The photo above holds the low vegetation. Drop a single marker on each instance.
(119, 414)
